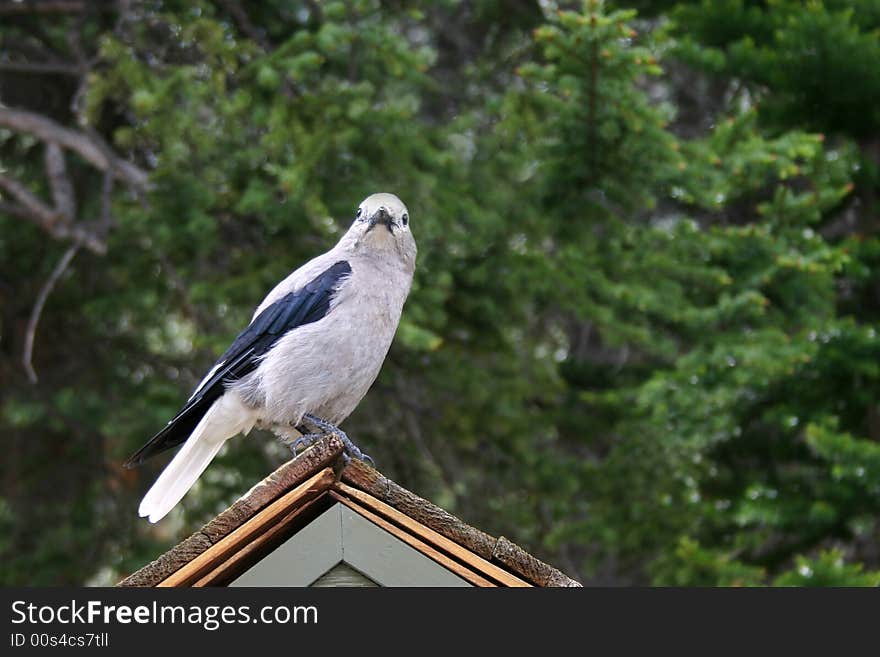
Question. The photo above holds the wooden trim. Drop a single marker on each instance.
(290, 475)
(250, 553)
(448, 563)
(361, 476)
(256, 526)
(302, 556)
(497, 551)
(386, 559)
(323, 454)
(432, 537)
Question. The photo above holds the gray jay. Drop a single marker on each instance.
(312, 350)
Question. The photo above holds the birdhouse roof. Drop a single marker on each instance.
(316, 483)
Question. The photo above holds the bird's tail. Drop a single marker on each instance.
(226, 418)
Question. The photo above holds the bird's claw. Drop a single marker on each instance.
(349, 449)
(305, 441)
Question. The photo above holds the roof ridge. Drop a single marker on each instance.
(498, 550)
(326, 453)
(289, 475)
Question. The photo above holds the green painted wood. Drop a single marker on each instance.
(341, 537)
(387, 559)
(303, 558)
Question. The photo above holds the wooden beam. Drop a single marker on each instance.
(432, 537)
(365, 478)
(322, 455)
(459, 569)
(290, 475)
(516, 560)
(228, 569)
(253, 528)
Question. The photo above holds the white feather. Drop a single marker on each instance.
(225, 419)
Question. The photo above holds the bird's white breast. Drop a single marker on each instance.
(326, 367)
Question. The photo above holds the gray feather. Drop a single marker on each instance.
(323, 366)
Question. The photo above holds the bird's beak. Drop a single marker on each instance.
(381, 216)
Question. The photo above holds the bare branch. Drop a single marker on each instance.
(14, 210)
(91, 148)
(37, 310)
(106, 220)
(30, 46)
(60, 68)
(59, 182)
(316, 14)
(244, 23)
(60, 227)
(43, 7)
(46, 217)
(75, 43)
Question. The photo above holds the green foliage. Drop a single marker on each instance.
(690, 564)
(642, 340)
(817, 59)
(828, 569)
(705, 277)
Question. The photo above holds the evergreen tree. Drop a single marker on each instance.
(642, 340)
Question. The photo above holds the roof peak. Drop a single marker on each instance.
(301, 488)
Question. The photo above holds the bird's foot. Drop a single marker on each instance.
(350, 450)
(285, 434)
(304, 441)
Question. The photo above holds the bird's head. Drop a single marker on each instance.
(381, 227)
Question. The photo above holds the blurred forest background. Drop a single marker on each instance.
(643, 337)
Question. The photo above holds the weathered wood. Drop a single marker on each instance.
(508, 554)
(286, 477)
(362, 476)
(533, 569)
(289, 475)
(228, 545)
(250, 552)
(302, 557)
(444, 560)
(368, 479)
(165, 565)
(437, 529)
(385, 558)
(432, 537)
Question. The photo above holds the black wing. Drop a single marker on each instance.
(306, 305)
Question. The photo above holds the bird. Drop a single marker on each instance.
(312, 350)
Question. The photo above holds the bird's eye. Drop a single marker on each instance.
(359, 213)
(405, 218)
